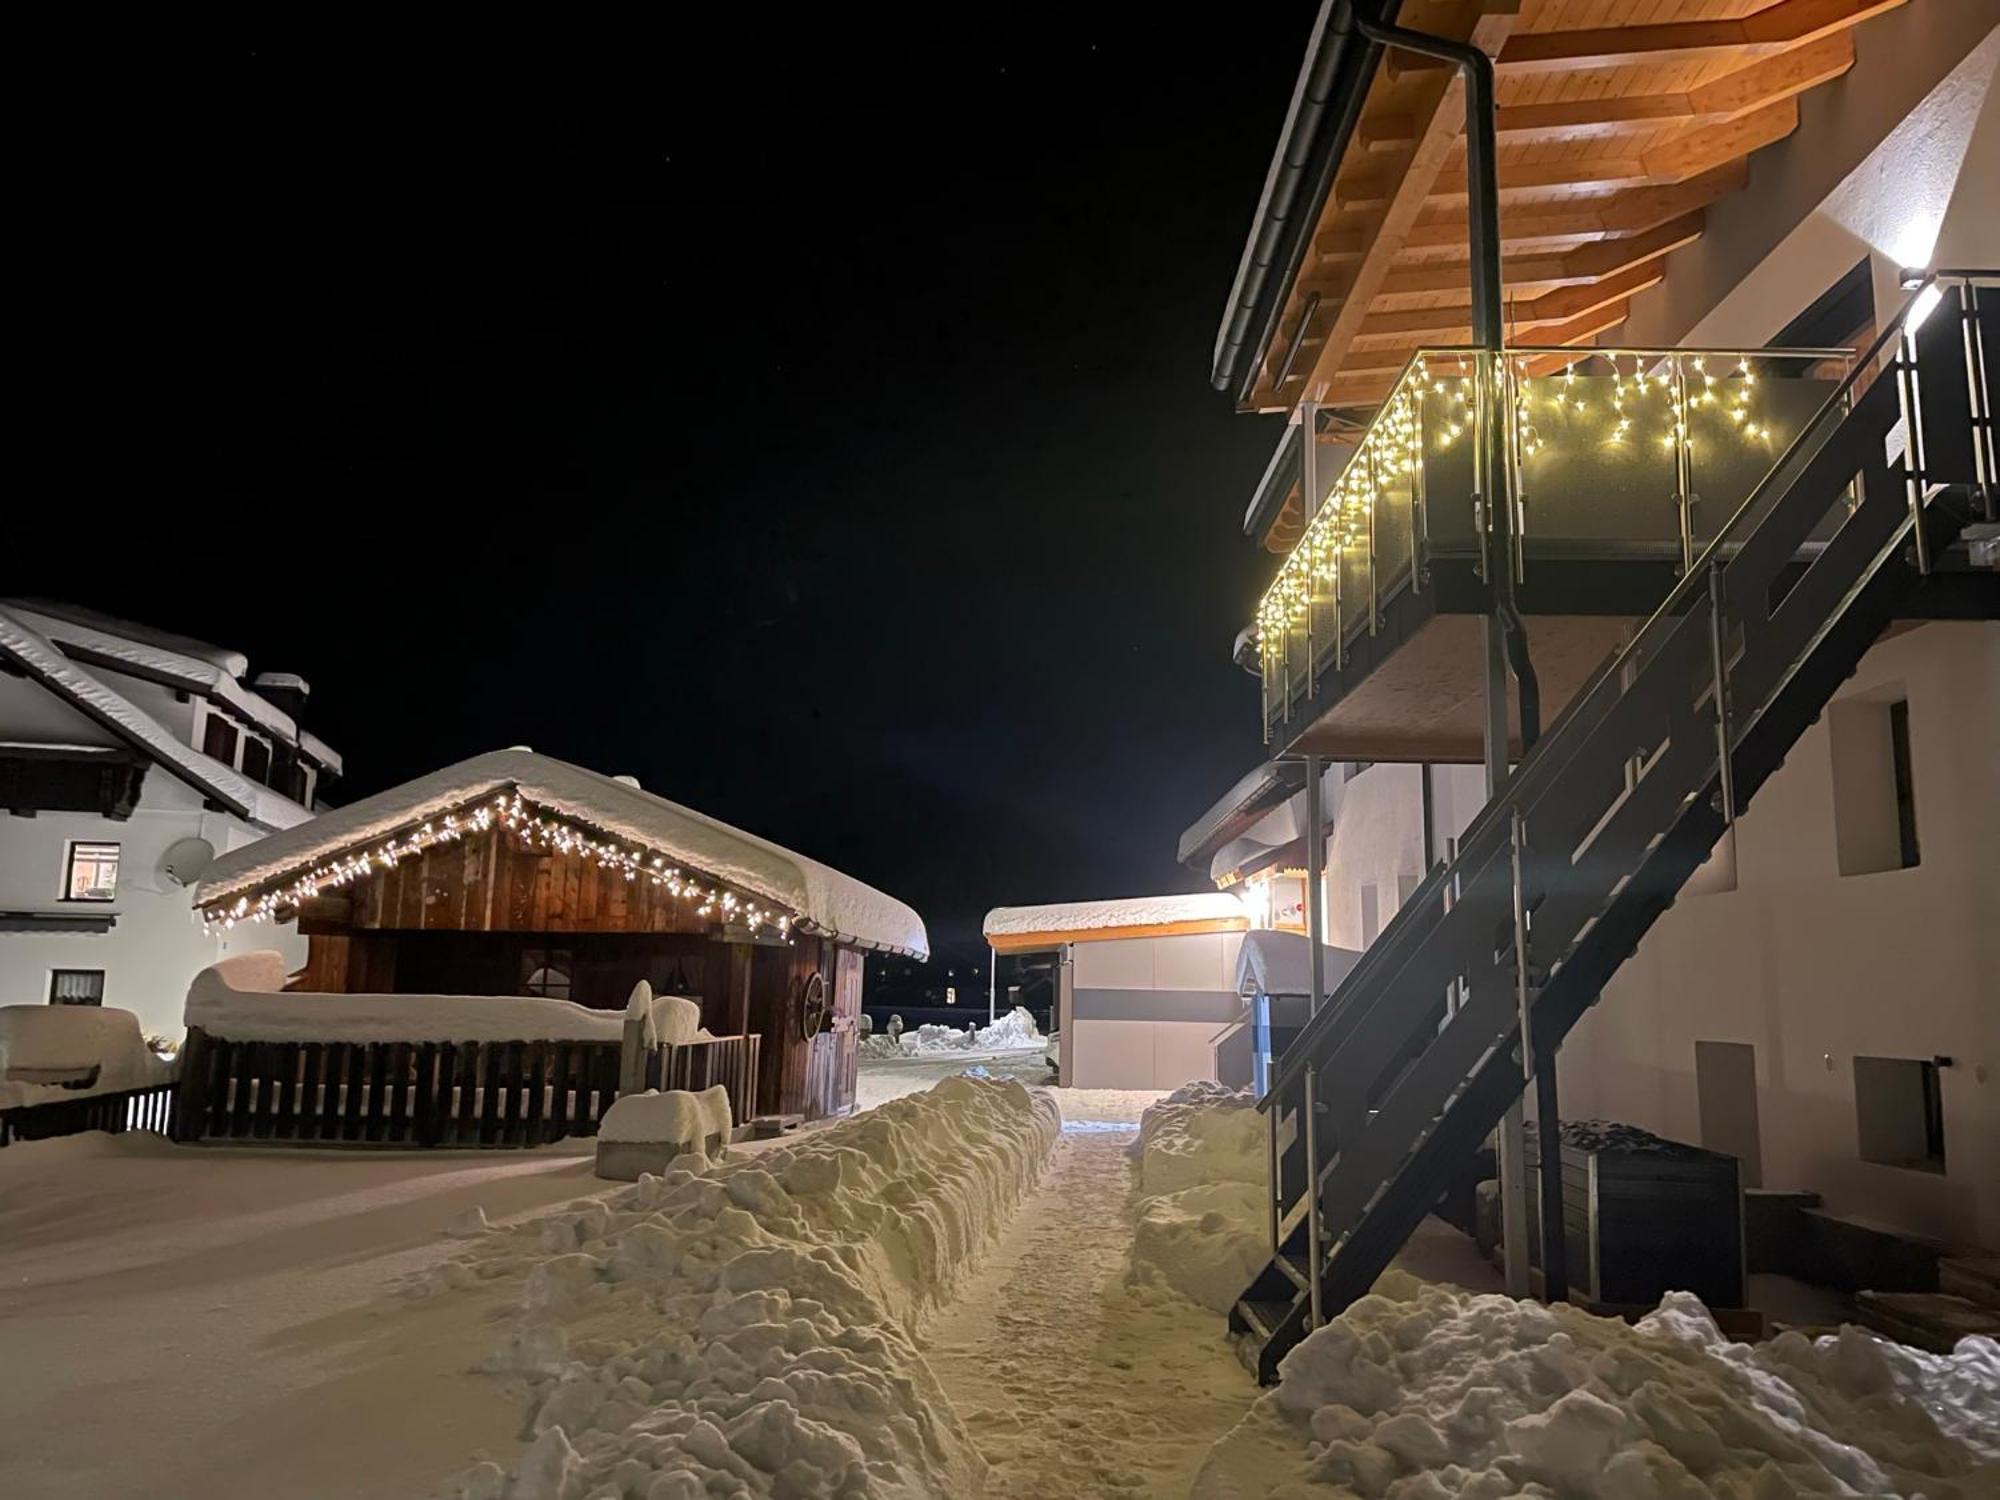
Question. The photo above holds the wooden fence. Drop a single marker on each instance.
(730, 1061)
(150, 1108)
(395, 1093)
(498, 1094)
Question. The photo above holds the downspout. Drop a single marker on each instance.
(1488, 324)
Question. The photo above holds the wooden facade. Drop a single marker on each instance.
(493, 914)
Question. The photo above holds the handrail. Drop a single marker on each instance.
(1527, 777)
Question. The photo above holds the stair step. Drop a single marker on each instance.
(1261, 1318)
(1296, 1269)
(1928, 1320)
(1976, 1278)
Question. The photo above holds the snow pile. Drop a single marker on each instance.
(677, 1117)
(44, 1046)
(242, 999)
(747, 1331)
(1421, 1391)
(669, 1019)
(1202, 1203)
(1014, 1032)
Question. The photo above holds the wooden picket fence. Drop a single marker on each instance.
(730, 1061)
(151, 1108)
(395, 1093)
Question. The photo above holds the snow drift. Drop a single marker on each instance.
(41, 1045)
(1014, 1032)
(747, 1331)
(1201, 1201)
(1422, 1391)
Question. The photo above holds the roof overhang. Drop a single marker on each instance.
(1254, 794)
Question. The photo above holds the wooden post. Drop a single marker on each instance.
(632, 1055)
(193, 1111)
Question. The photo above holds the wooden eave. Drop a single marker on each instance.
(1620, 123)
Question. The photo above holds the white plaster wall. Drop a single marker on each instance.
(1142, 1054)
(157, 946)
(1191, 961)
(1813, 968)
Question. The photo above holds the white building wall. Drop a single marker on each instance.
(1145, 1012)
(157, 945)
(1813, 968)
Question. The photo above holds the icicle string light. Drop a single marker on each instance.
(1429, 408)
(535, 827)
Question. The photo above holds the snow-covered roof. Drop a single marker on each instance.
(818, 897)
(212, 671)
(1106, 919)
(1280, 963)
(41, 659)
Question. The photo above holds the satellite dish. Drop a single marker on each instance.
(185, 860)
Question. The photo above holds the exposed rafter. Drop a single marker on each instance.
(1787, 24)
(1586, 263)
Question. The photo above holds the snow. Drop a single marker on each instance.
(1014, 1032)
(216, 673)
(668, 1020)
(44, 660)
(1421, 1390)
(1091, 916)
(749, 1330)
(1201, 1202)
(676, 1117)
(820, 898)
(38, 1043)
(242, 999)
(1280, 963)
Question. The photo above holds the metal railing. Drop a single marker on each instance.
(1488, 963)
(1612, 453)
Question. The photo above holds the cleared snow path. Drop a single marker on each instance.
(1072, 1383)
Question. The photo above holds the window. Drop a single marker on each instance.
(1899, 1112)
(256, 760)
(546, 972)
(218, 739)
(92, 874)
(76, 987)
(1874, 785)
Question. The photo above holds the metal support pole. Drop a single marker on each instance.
(1313, 1226)
(1315, 882)
(1309, 499)
(1913, 445)
(992, 985)
(1723, 737)
(1548, 1129)
(1683, 476)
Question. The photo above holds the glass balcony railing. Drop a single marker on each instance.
(1612, 455)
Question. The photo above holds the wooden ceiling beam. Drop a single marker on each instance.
(1708, 146)
(1434, 105)
(1548, 226)
(1768, 80)
(1557, 306)
(1776, 28)
(1388, 356)
(1586, 263)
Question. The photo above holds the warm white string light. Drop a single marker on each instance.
(535, 827)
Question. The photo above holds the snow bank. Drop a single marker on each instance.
(1202, 1205)
(1132, 911)
(1014, 1032)
(241, 999)
(677, 1116)
(1421, 1391)
(41, 1045)
(747, 1331)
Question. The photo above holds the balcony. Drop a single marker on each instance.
(1623, 465)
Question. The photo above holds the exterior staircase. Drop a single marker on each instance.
(1417, 1055)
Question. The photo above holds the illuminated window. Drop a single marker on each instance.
(545, 972)
(76, 987)
(93, 873)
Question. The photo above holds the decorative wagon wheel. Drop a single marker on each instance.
(814, 1006)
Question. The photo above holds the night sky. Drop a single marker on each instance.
(811, 422)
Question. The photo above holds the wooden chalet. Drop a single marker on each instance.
(516, 874)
